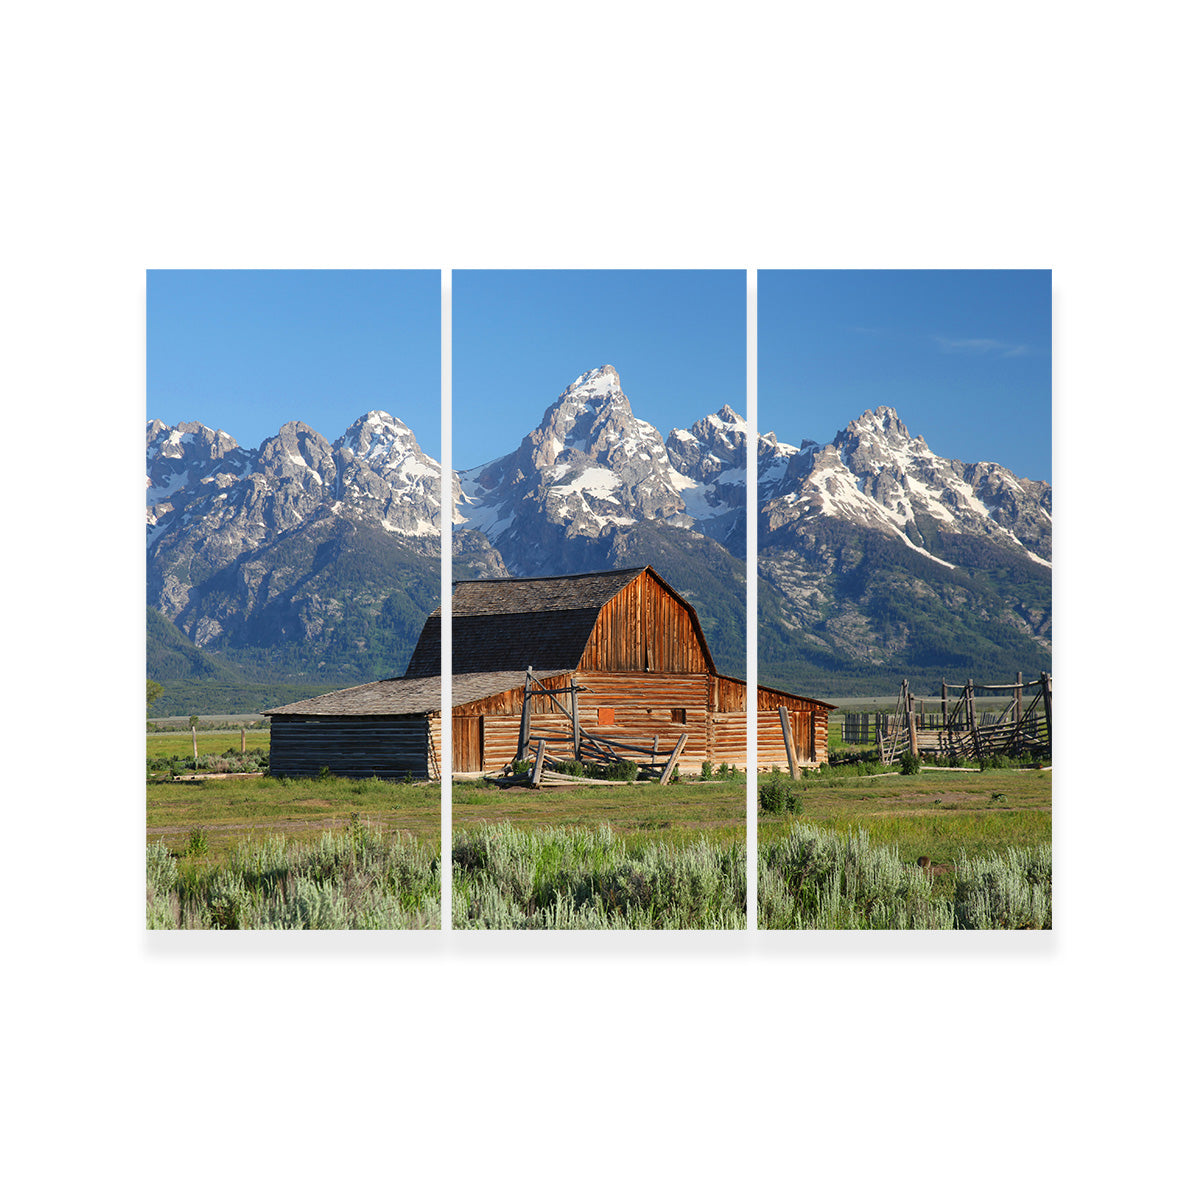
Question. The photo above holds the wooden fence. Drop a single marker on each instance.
(958, 729)
(584, 746)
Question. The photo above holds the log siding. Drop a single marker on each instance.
(358, 747)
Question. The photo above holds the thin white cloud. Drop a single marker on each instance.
(981, 346)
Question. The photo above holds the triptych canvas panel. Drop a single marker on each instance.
(619, 600)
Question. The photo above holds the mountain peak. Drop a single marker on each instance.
(600, 381)
(592, 390)
(885, 419)
(378, 417)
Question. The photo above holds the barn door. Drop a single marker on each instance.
(468, 743)
(802, 735)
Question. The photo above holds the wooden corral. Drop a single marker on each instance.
(613, 659)
(956, 729)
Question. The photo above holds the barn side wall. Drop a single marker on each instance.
(643, 706)
(357, 747)
(810, 735)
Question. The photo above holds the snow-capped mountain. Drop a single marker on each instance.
(299, 540)
(877, 475)
(177, 461)
(878, 558)
(877, 554)
(202, 480)
(382, 472)
(592, 468)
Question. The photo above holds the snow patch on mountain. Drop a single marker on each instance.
(875, 473)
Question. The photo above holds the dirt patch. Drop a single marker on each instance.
(215, 775)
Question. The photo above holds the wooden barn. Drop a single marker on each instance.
(614, 659)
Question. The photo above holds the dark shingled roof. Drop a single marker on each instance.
(405, 697)
(499, 624)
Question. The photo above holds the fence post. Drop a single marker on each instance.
(575, 718)
(523, 737)
(971, 720)
(1046, 701)
(788, 745)
(670, 763)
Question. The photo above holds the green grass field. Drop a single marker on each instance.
(641, 834)
(637, 813)
(292, 854)
(585, 877)
(228, 810)
(967, 824)
(933, 813)
(179, 745)
(632, 856)
(359, 879)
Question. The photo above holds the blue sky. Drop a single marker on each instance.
(677, 339)
(247, 351)
(963, 357)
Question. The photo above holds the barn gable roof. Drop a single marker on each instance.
(500, 624)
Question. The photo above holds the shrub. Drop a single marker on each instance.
(1010, 890)
(817, 879)
(360, 879)
(706, 770)
(622, 770)
(575, 878)
(778, 793)
(910, 764)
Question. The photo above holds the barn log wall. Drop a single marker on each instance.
(645, 706)
(810, 733)
(358, 747)
(727, 742)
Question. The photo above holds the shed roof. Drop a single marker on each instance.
(405, 697)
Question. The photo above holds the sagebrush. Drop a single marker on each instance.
(587, 878)
(362, 879)
(819, 879)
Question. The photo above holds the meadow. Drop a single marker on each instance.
(631, 856)
(267, 853)
(169, 754)
(846, 848)
(359, 879)
(636, 812)
(586, 877)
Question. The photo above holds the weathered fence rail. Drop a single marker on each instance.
(959, 729)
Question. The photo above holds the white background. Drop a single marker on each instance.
(625, 135)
